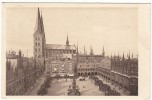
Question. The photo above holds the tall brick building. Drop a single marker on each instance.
(53, 51)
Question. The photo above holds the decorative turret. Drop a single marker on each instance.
(67, 41)
(129, 56)
(84, 51)
(123, 56)
(19, 54)
(8, 63)
(91, 51)
(103, 52)
(118, 58)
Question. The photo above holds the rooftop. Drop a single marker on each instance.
(59, 46)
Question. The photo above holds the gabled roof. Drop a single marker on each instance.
(59, 46)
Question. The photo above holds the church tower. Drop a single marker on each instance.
(39, 37)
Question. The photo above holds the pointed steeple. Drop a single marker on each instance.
(132, 55)
(103, 52)
(67, 41)
(38, 28)
(42, 26)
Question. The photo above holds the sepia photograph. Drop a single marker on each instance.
(71, 49)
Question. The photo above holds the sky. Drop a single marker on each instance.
(114, 28)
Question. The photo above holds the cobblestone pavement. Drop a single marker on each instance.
(86, 88)
(60, 87)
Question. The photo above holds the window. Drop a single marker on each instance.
(132, 71)
(35, 49)
(131, 81)
(38, 44)
(39, 49)
(39, 56)
(35, 44)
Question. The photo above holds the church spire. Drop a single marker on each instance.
(42, 26)
(103, 52)
(67, 41)
(38, 28)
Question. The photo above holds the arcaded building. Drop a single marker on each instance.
(89, 64)
(124, 73)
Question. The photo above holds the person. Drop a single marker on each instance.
(66, 76)
(70, 89)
